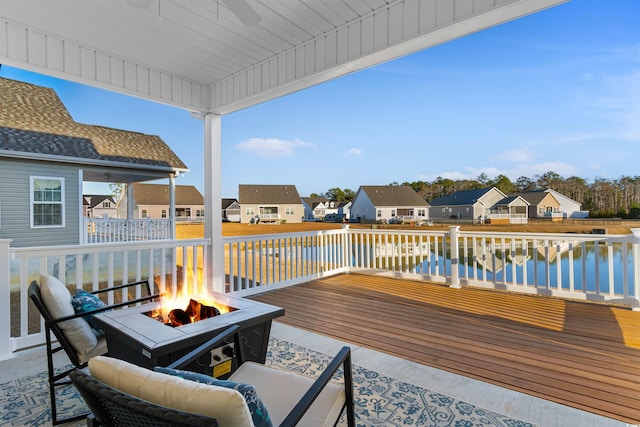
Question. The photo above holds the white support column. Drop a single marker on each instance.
(6, 352)
(214, 256)
(82, 230)
(455, 259)
(172, 205)
(130, 200)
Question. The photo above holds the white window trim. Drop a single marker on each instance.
(32, 202)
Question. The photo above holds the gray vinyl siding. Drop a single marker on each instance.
(15, 220)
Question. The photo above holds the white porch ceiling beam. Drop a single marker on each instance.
(32, 50)
(398, 29)
(214, 64)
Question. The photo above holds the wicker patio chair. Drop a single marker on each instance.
(52, 326)
(113, 407)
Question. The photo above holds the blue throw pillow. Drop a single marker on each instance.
(84, 302)
(259, 413)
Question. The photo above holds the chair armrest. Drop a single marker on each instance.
(107, 308)
(342, 359)
(209, 345)
(126, 285)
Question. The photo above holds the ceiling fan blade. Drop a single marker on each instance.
(243, 11)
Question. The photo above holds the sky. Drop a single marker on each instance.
(554, 91)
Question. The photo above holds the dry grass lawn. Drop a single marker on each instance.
(195, 231)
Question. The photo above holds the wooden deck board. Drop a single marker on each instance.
(582, 355)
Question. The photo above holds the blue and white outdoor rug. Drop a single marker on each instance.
(379, 400)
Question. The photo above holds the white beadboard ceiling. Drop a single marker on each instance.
(199, 55)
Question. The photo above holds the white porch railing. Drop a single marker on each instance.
(578, 266)
(165, 264)
(258, 263)
(114, 230)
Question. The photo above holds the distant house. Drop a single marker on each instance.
(99, 206)
(230, 210)
(471, 205)
(568, 207)
(382, 203)
(153, 201)
(344, 208)
(314, 207)
(542, 204)
(45, 157)
(270, 203)
(510, 210)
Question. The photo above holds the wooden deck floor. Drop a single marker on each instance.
(582, 355)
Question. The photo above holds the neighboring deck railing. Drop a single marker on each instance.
(114, 230)
(578, 266)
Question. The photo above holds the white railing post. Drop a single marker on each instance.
(5, 300)
(346, 249)
(454, 281)
(635, 304)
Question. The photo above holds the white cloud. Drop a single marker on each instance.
(518, 155)
(354, 152)
(271, 147)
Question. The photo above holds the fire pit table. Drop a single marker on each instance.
(134, 336)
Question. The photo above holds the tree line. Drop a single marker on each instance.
(603, 198)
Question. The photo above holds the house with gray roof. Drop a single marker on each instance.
(99, 206)
(468, 205)
(542, 205)
(230, 210)
(385, 203)
(45, 157)
(568, 207)
(270, 203)
(314, 207)
(153, 201)
(510, 210)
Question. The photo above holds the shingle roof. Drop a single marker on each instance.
(92, 200)
(158, 194)
(227, 202)
(312, 202)
(510, 199)
(393, 195)
(273, 194)
(34, 123)
(533, 197)
(465, 197)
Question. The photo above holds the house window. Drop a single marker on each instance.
(421, 212)
(379, 213)
(163, 214)
(393, 212)
(289, 211)
(199, 213)
(47, 202)
(250, 212)
(106, 204)
(144, 213)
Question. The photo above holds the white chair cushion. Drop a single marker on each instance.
(280, 390)
(224, 404)
(57, 299)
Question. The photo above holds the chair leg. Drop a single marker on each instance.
(54, 381)
(348, 384)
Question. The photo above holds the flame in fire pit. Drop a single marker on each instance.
(185, 309)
